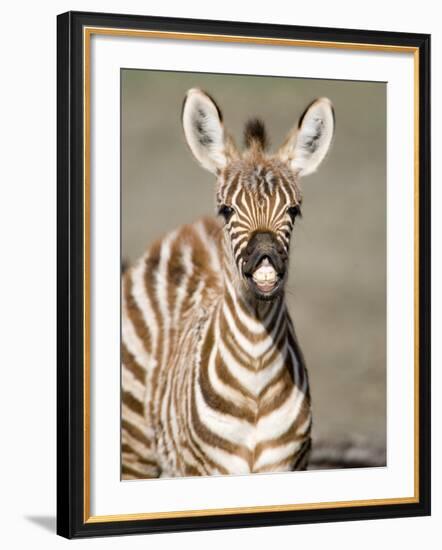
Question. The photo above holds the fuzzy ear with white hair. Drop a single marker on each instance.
(204, 130)
(307, 145)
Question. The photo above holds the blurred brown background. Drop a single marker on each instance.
(337, 287)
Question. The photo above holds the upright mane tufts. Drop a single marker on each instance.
(255, 134)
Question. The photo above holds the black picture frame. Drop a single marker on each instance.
(71, 518)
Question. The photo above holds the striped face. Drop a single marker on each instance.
(259, 200)
(257, 193)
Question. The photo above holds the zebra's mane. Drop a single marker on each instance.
(255, 134)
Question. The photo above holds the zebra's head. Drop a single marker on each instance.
(258, 194)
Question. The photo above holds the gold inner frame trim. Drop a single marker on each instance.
(87, 33)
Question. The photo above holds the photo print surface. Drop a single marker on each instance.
(253, 292)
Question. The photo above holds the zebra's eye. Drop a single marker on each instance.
(294, 211)
(226, 212)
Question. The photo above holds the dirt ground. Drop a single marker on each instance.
(337, 286)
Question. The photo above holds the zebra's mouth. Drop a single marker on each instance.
(264, 281)
(265, 276)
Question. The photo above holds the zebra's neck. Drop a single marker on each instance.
(256, 331)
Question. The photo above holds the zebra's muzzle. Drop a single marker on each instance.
(264, 265)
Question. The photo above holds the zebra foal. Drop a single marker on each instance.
(213, 379)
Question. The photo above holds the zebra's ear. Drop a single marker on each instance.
(204, 130)
(307, 145)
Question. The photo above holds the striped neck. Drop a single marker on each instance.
(258, 329)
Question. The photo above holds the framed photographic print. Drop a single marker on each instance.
(243, 274)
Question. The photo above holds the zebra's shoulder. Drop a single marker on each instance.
(190, 250)
(204, 235)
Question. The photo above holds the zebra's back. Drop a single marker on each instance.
(167, 298)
